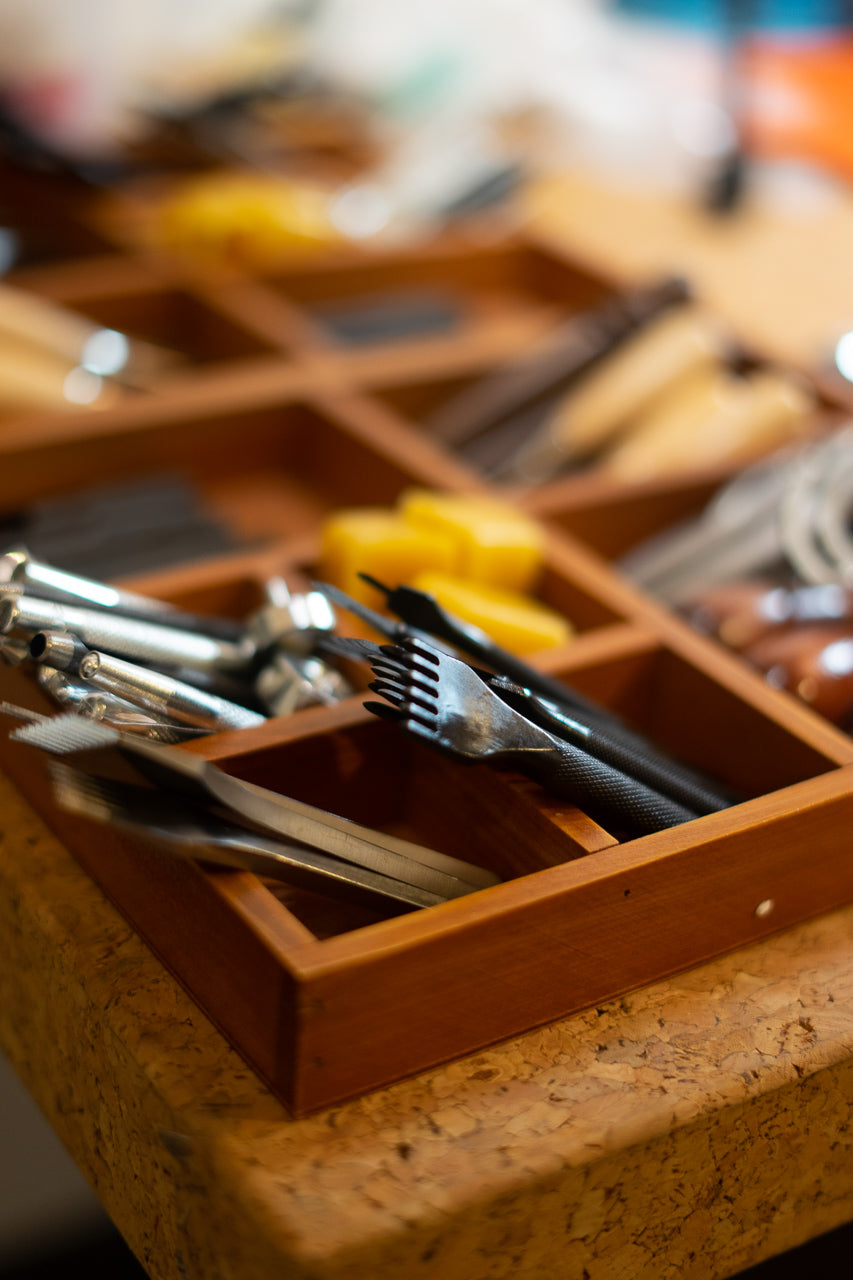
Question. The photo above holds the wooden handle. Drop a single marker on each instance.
(34, 379)
(813, 661)
(713, 419)
(64, 334)
(27, 317)
(622, 386)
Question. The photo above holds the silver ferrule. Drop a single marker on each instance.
(164, 696)
(126, 637)
(57, 649)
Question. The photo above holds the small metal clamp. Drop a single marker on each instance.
(291, 681)
(291, 620)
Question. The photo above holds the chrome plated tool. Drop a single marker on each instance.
(789, 513)
(737, 534)
(36, 578)
(75, 695)
(440, 700)
(380, 622)
(617, 743)
(649, 766)
(424, 618)
(292, 619)
(153, 691)
(287, 682)
(125, 637)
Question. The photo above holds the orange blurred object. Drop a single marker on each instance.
(799, 102)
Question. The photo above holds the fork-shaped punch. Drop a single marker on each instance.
(643, 763)
(441, 700)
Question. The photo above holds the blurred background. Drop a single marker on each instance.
(728, 123)
(426, 107)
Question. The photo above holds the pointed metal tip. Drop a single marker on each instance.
(420, 648)
(374, 582)
(352, 647)
(386, 689)
(325, 588)
(384, 710)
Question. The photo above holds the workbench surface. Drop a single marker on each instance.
(689, 1129)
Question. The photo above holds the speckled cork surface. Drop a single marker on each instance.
(688, 1130)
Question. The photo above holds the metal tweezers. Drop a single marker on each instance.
(196, 831)
(191, 775)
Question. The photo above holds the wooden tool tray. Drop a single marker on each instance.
(276, 429)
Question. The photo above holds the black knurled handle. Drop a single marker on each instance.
(606, 794)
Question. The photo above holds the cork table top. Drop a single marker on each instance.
(688, 1129)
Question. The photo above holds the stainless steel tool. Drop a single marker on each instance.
(191, 832)
(155, 692)
(737, 534)
(292, 619)
(37, 578)
(125, 637)
(442, 701)
(201, 780)
(75, 695)
(632, 756)
(791, 512)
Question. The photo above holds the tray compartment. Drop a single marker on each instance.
(725, 723)
(297, 462)
(177, 319)
(150, 304)
(570, 935)
(719, 721)
(512, 268)
(567, 938)
(608, 513)
(374, 774)
(271, 471)
(457, 290)
(558, 937)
